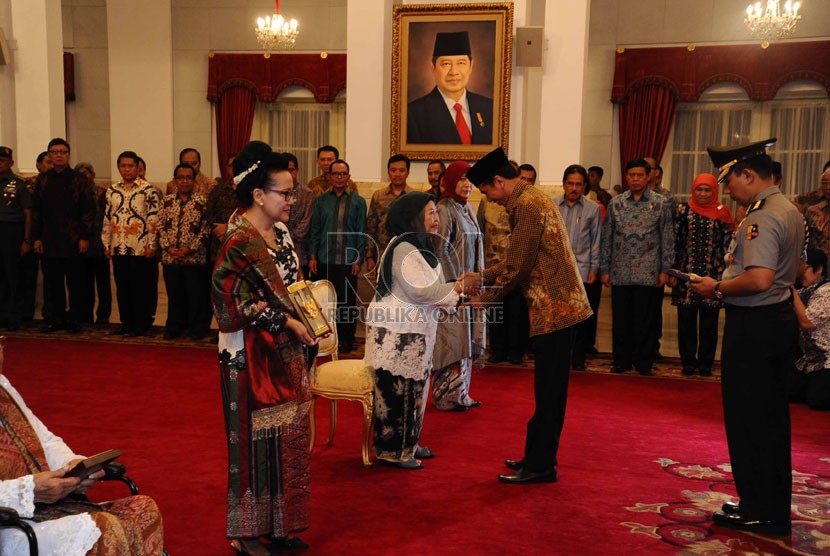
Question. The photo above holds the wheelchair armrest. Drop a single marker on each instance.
(8, 517)
(114, 470)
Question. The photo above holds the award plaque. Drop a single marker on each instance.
(308, 309)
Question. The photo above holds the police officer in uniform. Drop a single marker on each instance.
(15, 240)
(761, 330)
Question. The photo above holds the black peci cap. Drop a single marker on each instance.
(5, 152)
(452, 44)
(486, 168)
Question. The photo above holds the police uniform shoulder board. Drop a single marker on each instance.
(757, 205)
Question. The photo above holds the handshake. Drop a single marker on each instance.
(469, 284)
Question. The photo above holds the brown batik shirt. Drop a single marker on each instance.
(541, 262)
(183, 224)
(201, 185)
(376, 220)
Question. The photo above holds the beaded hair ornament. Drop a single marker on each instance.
(239, 177)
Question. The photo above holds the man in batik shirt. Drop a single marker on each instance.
(541, 263)
(397, 167)
(129, 238)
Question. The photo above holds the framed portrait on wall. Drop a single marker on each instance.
(451, 80)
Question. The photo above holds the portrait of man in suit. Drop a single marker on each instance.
(450, 113)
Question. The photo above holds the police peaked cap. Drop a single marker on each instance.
(725, 158)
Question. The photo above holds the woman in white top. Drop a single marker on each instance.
(400, 329)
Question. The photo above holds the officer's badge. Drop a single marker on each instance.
(752, 232)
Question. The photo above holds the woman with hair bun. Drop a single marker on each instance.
(264, 355)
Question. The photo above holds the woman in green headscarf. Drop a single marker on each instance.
(400, 329)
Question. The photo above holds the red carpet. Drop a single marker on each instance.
(628, 481)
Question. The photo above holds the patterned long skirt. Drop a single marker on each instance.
(268, 478)
(129, 527)
(451, 385)
(398, 415)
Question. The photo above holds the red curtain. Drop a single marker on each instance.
(646, 120)
(234, 120)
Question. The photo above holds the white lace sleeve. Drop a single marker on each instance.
(57, 452)
(19, 495)
(420, 283)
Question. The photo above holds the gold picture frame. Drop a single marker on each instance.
(307, 308)
(420, 122)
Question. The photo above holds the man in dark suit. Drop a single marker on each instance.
(450, 114)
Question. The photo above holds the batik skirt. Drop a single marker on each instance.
(268, 478)
(398, 415)
(451, 385)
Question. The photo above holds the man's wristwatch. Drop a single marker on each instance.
(718, 293)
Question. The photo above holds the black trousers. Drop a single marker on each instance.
(28, 287)
(551, 371)
(697, 336)
(96, 278)
(206, 314)
(134, 290)
(340, 275)
(756, 358)
(509, 326)
(585, 334)
(62, 274)
(657, 332)
(185, 285)
(632, 322)
(11, 238)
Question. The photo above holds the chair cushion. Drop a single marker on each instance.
(345, 375)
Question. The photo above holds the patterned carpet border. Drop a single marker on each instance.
(686, 522)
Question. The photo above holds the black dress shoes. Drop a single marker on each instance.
(516, 359)
(514, 464)
(618, 369)
(290, 543)
(760, 526)
(523, 476)
(731, 508)
(495, 359)
(50, 328)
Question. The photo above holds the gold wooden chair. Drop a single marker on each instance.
(339, 379)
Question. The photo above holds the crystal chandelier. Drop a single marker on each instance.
(275, 32)
(772, 22)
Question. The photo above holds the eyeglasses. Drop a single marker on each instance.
(288, 194)
(62, 152)
(339, 174)
(184, 178)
